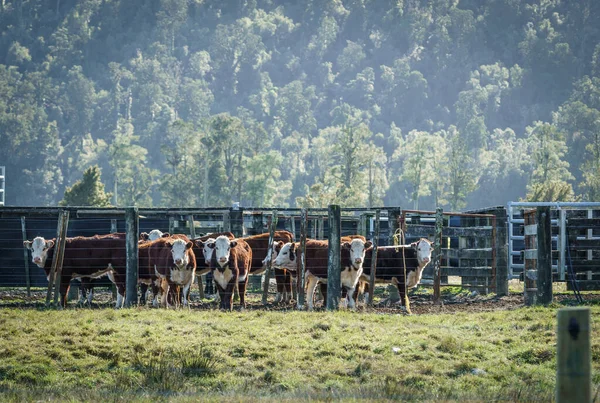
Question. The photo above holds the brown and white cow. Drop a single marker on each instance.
(84, 258)
(316, 260)
(230, 265)
(391, 263)
(153, 235)
(283, 277)
(174, 264)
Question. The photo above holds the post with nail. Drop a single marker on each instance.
(573, 358)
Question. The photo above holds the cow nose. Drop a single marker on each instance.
(426, 260)
(222, 259)
(178, 261)
(37, 260)
(358, 260)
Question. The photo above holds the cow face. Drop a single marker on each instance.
(207, 247)
(286, 258)
(357, 251)
(179, 249)
(272, 253)
(39, 248)
(156, 234)
(222, 248)
(424, 249)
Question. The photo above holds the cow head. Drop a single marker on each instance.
(272, 253)
(156, 234)
(179, 249)
(424, 249)
(286, 258)
(207, 247)
(39, 248)
(357, 249)
(222, 249)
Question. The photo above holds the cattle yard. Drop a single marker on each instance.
(479, 252)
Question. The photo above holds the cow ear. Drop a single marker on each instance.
(233, 244)
(49, 244)
(189, 245)
(144, 236)
(166, 235)
(293, 247)
(199, 243)
(368, 244)
(27, 244)
(414, 245)
(345, 245)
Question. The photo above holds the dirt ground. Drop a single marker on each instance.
(421, 302)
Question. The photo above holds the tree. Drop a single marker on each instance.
(89, 191)
(463, 174)
(549, 172)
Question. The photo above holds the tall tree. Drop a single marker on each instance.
(89, 191)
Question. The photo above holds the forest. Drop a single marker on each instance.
(461, 104)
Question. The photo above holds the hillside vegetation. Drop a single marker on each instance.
(415, 103)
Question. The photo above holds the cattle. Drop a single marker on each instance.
(230, 264)
(391, 264)
(153, 235)
(316, 260)
(203, 258)
(261, 254)
(283, 276)
(174, 265)
(84, 257)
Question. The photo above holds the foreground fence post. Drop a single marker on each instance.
(573, 358)
(57, 261)
(131, 240)
(437, 255)
(272, 226)
(301, 285)
(334, 258)
(26, 255)
(374, 258)
(544, 255)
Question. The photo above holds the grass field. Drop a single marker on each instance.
(143, 354)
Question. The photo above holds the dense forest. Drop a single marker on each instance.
(413, 103)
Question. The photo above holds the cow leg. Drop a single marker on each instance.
(186, 289)
(323, 290)
(351, 301)
(280, 281)
(65, 284)
(311, 285)
(143, 291)
(155, 292)
(403, 296)
(82, 294)
(242, 289)
(90, 296)
(287, 285)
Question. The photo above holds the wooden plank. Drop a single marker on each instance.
(585, 244)
(437, 249)
(585, 285)
(26, 256)
(467, 272)
(530, 229)
(267, 273)
(132, 229)
(475, 253)
(60, 244)
(374, 258)
(583, 223)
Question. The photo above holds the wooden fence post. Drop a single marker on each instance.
(374, 257)
(113, 225)
(573, 358)
(393, 223)
(334, 258)
(301, 283)
(530, 255)
(437, 254)
(501, 252)
(236, 220)
(57, 260)
(26, 256)
(272, 226)
(544, 258)
(193, 236)
(131, 239)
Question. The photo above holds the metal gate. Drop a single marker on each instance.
(517, 231)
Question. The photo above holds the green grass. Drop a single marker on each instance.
(146, 354)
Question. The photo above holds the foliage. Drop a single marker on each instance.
(89, 191)
(191, 103)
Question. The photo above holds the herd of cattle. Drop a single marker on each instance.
(168, 264)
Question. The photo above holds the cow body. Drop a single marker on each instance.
(262, 253)
(174, 265)
(84, 258)
(230, 265)
(391, 264)
(316, 260)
